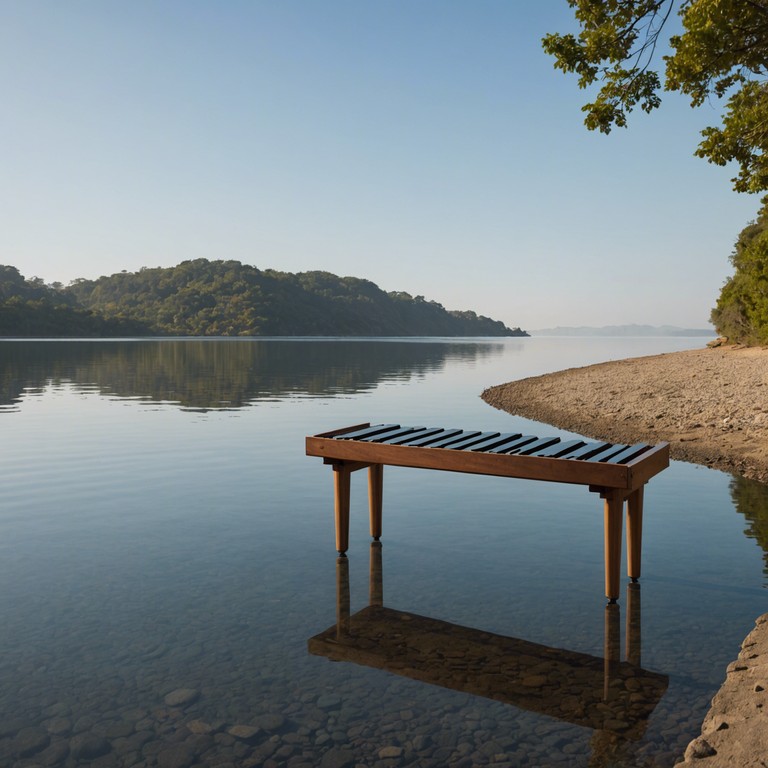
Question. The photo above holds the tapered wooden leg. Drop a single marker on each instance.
(375, 493)
(341, 477)
(614, 507)
(634, 533)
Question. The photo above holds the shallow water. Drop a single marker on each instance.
(163, 530)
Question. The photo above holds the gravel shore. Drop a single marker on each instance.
(711, 405)
(734, 732)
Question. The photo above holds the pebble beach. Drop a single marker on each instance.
(711, 405)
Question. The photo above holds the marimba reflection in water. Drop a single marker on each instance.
(613, 697)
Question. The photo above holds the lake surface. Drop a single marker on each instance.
(167, 556)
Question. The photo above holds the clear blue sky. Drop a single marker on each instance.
(427, 146)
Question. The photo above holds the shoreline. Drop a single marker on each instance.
(734, 730)
(710, 405)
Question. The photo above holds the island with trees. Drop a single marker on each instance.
(225, 298)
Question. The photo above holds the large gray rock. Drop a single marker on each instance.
(30, 741)
(338, 758)
(245, 732)
(181, 697)
(178, 756)
(271, 722)
(87, 746)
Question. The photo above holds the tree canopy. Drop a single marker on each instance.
(226, 298)
(722, 53)
(29, 307)
(742, 308)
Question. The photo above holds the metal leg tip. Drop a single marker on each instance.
(635, 579)
(376, 538)
(342, 554)
(613, 600)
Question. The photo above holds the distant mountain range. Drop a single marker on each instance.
(624, 330)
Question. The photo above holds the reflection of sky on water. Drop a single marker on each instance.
(146, 547)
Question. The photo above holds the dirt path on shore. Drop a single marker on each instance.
(711, 405)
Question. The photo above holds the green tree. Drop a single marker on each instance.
(742, 308)
(722, 53)
(227, 298)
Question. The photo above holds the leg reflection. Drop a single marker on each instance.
(612, 697)
(633, 624)
(376, 583)
(612, 649)
(342, 598)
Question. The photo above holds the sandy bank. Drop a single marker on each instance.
(711, 405)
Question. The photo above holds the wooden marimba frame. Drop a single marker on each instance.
(616, 472)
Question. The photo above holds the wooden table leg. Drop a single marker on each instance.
(341, 477)
(634, 533)
(614, 508)
(375, 493)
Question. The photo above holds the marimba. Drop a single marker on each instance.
(617, 472)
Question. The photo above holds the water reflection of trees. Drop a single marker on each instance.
(209, 374)
(751, 500)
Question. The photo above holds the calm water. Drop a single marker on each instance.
(167, 554)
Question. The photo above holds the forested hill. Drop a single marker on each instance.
(227, 298)
(32, 308)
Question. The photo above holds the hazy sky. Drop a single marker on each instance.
(426, 145)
